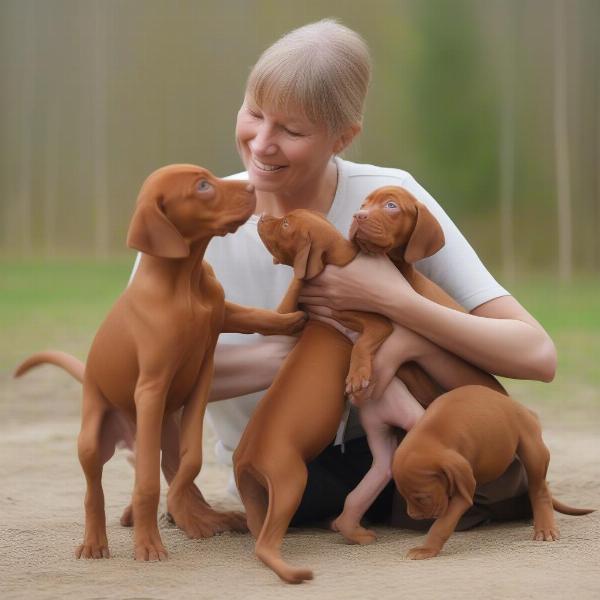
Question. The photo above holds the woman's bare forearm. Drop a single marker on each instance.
(514, 347)
(246, 368)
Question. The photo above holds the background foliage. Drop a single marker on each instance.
(493, 106)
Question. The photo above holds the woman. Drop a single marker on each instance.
(303, 106)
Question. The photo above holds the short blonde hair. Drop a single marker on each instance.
(322, 69)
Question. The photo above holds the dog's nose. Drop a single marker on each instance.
(250, 188)
(361, 215)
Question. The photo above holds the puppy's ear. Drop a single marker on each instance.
(459, 474)
(151, 232)
(309, 260)
(427, 236)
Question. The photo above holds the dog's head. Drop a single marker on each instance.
(179, 205)
(300, 239)
(392, 218)
(427, 484)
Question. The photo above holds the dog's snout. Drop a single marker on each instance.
(361, 215)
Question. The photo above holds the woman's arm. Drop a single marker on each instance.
(246, 368)
(499, 336)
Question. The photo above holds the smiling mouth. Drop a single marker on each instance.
(265, 167)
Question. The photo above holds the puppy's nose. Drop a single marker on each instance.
(250, 188)
(361, 215)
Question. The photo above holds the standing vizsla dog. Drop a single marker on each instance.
(469, 437)
(153, 354)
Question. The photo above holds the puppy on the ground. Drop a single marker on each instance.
(467, 437)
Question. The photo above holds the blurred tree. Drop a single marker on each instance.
(561, 129)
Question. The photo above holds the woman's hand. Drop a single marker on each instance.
(368, 283)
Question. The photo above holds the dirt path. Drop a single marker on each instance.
(41, 521)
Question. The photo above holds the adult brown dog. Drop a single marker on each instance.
(153, 354)
(467, 437)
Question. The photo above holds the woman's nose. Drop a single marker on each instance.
(262, 143)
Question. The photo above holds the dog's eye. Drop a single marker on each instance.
(203, 186)
(391, 205)
(285, 223)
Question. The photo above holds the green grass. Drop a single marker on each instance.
(61, 303)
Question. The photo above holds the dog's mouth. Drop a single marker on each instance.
(370, 246)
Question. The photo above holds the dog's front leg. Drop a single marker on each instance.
(185, 503)
(374, 330)
(150, 408)
(441, 530)
(243, 319)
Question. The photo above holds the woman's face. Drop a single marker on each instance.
(282, 152)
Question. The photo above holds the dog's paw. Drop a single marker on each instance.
(198, 520)
(546, 533)
(92, 549)
(421, 553)
(150, 550)
(293, 322)
(358, 380)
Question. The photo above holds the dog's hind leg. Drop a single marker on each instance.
(95, 542)
(285, 494)
(254, 492)
(535, 458)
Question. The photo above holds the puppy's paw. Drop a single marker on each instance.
(358, 379)
(287, 323)
(92, 549)
(548, 533)
(422, 552)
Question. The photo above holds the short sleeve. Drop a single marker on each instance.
(456, 268)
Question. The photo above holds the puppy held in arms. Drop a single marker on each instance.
(151, 362)
(470, 436)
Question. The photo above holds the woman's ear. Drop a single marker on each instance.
(345, 138)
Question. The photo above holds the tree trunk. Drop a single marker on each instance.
(561, 129)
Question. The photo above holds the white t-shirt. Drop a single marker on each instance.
(246, 271)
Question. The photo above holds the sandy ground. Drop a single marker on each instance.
(41, 522)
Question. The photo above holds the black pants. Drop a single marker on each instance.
(334, 474)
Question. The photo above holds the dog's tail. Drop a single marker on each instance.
(65, 361)
(569, 510)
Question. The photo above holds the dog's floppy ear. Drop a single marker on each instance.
(427, 236)
(459, 474)
(309, 260)
(151, 232)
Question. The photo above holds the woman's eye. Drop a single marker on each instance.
(292, 133)
(203, 186)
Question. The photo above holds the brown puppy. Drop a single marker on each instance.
(153, 354)
(392, 221)
(307, 241)
(470, 436)
(293, 423)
